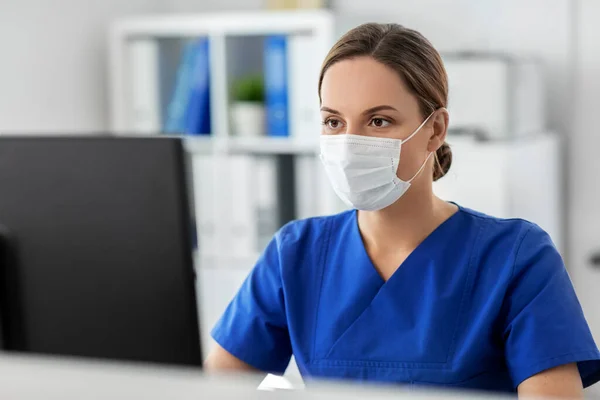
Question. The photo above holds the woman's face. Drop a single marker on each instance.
(361, 96)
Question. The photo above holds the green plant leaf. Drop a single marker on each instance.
(248, 88)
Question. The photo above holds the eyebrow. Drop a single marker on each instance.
(373, 110)
(330, 110)
(368, 111)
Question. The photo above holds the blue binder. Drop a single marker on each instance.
(197, 118)
(176, 112)
(276, 85)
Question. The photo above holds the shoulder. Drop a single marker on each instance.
(303, 244)
(513, 247)
(299, 231)
(505, 231)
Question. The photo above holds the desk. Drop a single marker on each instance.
(29, 378)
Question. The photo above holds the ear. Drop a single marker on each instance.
(440, 129)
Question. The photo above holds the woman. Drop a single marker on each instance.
(405, 287)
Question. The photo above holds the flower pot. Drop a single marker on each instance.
(248, 118)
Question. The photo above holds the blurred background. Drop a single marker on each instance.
(238, 79)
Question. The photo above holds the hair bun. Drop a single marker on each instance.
(443, 157)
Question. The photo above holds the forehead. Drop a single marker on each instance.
(360, 83)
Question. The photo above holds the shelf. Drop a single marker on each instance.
(258, 145)
(220, 28)
(198, 144)
(272, 145)
(238, 23)
(211, 262)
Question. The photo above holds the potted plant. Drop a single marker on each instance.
(247, 108)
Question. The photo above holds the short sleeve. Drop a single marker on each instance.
(253, 327)
(545, 326)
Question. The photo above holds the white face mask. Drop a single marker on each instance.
(363, 169)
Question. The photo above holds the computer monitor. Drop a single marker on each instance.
(96, 255)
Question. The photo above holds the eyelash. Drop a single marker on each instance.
(327, 120)
(380, 119)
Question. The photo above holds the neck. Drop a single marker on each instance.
(404, 224)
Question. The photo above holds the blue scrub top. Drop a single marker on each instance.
(481, 303)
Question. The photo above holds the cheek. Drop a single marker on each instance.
(412, 156)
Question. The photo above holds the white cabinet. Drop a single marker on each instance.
(584, 162)
(496, 96)
(508, 179)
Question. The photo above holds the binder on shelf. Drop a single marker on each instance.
(303, 73)
(307, 183)
(175, 121)
(242, 223)
(145, 107)
(205, 203)
(266, 206)
(197, 114)
(276, 85)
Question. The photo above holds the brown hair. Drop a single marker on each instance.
(412, 56)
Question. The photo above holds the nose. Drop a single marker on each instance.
(352, 127)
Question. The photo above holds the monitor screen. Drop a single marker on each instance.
(95, 250)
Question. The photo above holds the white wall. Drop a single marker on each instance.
(53, 62)
(584, 176)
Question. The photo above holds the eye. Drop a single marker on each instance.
(332, 123)
(379, 122)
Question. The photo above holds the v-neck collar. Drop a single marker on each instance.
(419, 251)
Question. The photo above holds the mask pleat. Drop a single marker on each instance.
(363, 169)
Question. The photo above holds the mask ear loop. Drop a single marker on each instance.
(430, 154)
(418, 129)
(421, 169)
